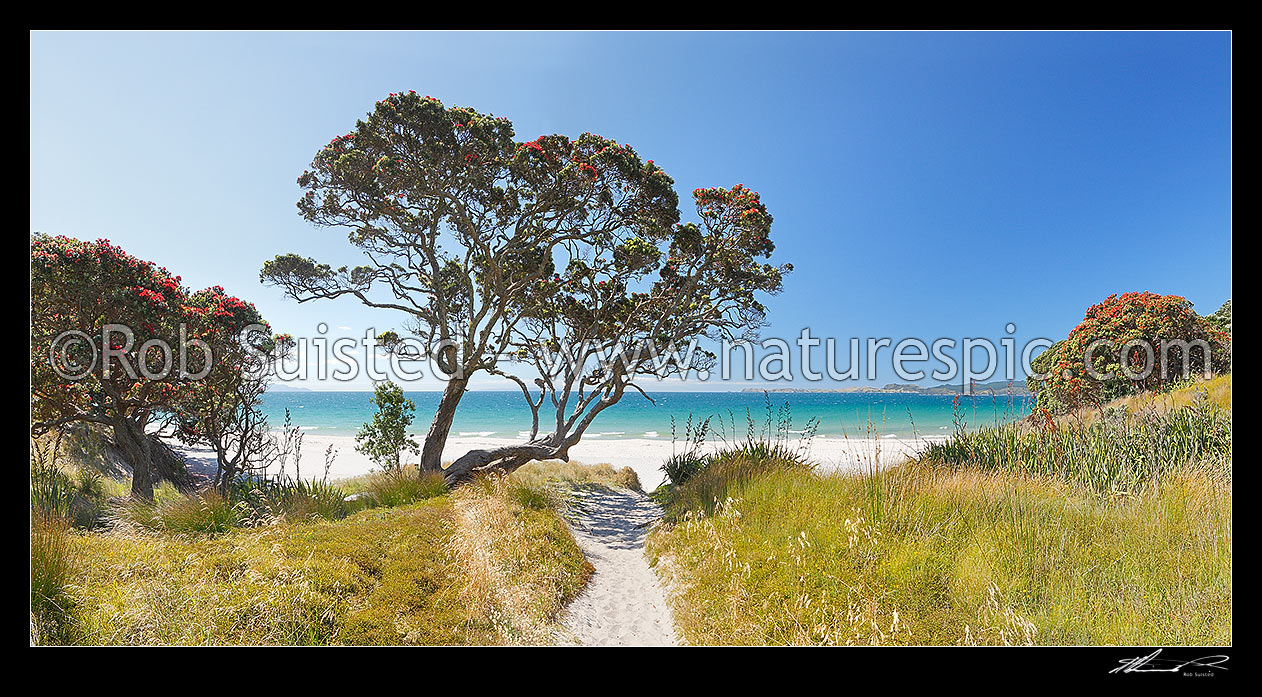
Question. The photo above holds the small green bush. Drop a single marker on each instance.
(726, 469)
(54, 493)
(681, 467)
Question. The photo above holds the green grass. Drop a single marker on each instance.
(52, 569)
(394, 488)
(542, 475)
(1116, 452)
(477, 566)
(1069, 535)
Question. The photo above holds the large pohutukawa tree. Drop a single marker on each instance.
(458, 223)
(635, 311)
(133, 383)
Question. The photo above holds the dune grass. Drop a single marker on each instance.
(992, 546)
(543, 474)
(1116, 452)
(394, 487)
(490, 563)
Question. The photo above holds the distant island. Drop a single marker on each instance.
(282, 387)
(1016, 388)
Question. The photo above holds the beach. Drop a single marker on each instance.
(643, 455)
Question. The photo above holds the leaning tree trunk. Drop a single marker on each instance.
(134, 443)
(436, 439)
(505, 459)
(554, 446)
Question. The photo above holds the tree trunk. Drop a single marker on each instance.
(554, 446)
(436, 439)
(505, 459)
(135, 445)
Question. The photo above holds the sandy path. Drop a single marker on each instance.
(623, 604)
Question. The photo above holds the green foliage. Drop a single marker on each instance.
(398, 487)
(771, 444)
(385, 438)
(291, 500)
(719, 473)
(83, 287)
(1221, 319)
(204, 513)
(55, 494)
(681, 467)
(1117, 453)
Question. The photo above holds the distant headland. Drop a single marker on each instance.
(1016, 388)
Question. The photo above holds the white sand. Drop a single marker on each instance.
(623, 604)
(643, 455)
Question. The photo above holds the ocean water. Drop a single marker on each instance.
(505, 415)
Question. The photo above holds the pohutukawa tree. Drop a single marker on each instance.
(132, 383)
(1132, 342)
(459, 224)
(632, 310)
(223, 410)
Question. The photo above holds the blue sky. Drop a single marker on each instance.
(922, 184)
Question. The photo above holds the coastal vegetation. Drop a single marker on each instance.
(142, 316)
(385, 439)
(1074, 532)
(566, 254)
(1104, 517)
(404, 562)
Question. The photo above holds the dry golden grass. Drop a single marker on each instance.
(1212, 392)
(509, 577)
(924, 554)
(486, 565)
(540, 474)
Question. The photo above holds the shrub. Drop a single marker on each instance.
(54, 493)
(1147, 323)
(384, 439)
(681, 467)
(726, 469)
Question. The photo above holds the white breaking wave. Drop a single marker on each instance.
(481, 434)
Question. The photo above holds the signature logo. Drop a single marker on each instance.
(1152, 663)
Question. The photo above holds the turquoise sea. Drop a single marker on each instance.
(505, 415)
